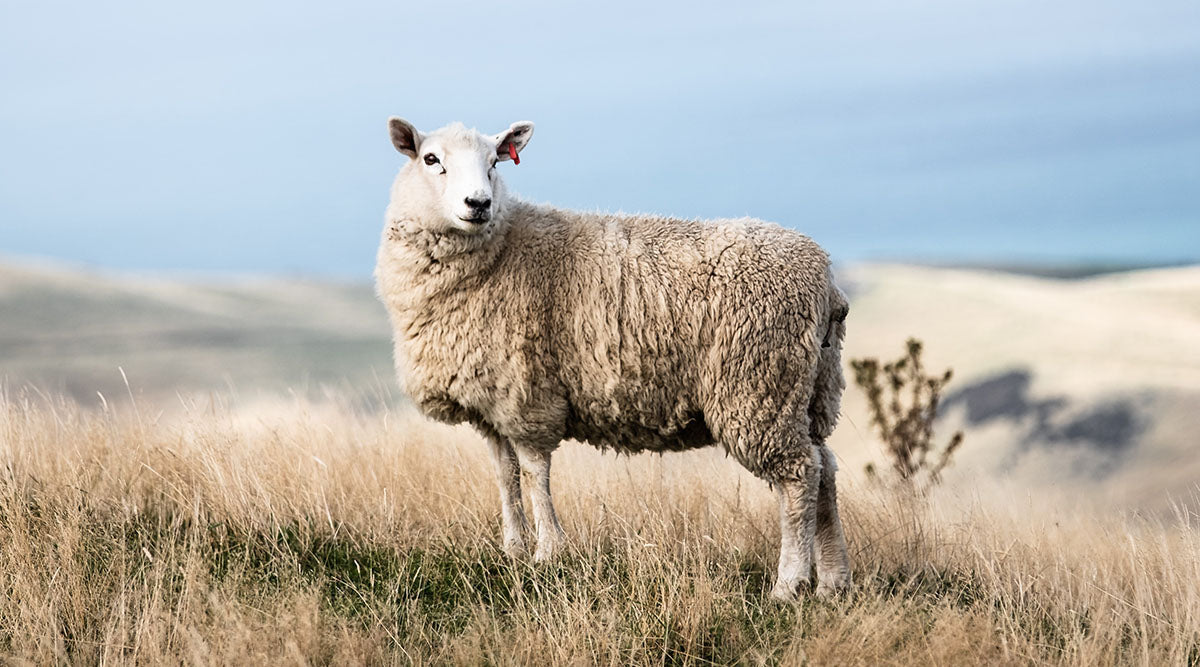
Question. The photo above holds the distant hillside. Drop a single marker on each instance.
(68, 331)
(1062, 271)
(1091, 383)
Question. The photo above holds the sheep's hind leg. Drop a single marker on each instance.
(550, 537)
(770, 436)
(797, 529)
(833, 561)
(512, 510)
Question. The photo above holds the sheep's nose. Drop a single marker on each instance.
(480, 203)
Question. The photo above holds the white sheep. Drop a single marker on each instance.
(632, 332)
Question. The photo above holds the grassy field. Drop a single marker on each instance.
(299, 533)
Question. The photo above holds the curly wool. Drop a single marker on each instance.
(638, 333)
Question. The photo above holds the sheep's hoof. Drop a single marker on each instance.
(516, 549)
(547, 551)
(834, 586)
(788, 591)
(833, 591)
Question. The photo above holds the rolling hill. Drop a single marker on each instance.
(70, 331)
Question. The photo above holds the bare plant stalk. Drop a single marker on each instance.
(906, 426)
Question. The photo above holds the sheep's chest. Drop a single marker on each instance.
(458, 365)
(444, 374)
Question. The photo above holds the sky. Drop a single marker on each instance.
(251, 137)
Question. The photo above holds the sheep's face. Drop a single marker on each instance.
(452, 177)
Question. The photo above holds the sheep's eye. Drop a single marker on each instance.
(431, 159)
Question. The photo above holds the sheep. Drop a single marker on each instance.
(637, 333)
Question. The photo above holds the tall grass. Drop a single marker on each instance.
(305, 532)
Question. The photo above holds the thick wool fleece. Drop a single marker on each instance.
(632, 332)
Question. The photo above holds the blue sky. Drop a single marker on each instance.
(250, 137)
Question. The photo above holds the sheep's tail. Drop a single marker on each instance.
(829, 382)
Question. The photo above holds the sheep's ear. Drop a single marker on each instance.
(405, 137)
(517, 135)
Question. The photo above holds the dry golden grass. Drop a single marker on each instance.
(311, 533)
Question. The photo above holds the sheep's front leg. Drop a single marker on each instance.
(512, 510)
(536, 463)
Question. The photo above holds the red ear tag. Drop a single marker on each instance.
(512, 152)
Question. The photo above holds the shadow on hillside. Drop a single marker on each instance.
(1109, 429)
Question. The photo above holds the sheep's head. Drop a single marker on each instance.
(452, 177)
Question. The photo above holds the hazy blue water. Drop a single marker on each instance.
(223, 136)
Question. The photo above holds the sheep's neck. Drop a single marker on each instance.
(431, 263)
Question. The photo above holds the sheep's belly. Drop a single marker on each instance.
(631, 437)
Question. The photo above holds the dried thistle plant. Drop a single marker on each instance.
(903, 401)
